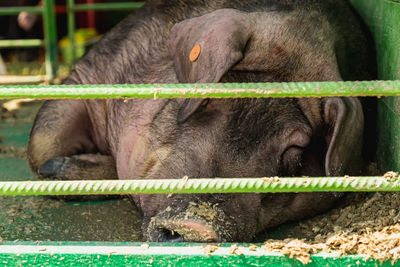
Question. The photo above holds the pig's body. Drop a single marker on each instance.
(257, 41)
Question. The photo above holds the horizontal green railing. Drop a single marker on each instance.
(206, 185)
(16, 10)
(21, 43)
(107, 6)
(215, 90)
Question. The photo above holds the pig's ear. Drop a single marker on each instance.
(345, 119)
(205, 48)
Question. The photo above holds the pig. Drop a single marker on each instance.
(237, 41)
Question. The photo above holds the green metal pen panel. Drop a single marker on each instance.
(156, 254)
(50, 39)
(383, 19)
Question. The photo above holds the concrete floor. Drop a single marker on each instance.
(45, 219)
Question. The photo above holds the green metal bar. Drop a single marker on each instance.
(159, 254)
(50, 38)
(22, 79)
(107, 6)
(217, 90)
(71, 29)
(5, 11)
(205, 185)
(21, 43)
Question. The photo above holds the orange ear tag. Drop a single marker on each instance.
(195, 53)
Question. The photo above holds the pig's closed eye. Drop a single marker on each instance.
(291, 159)
(295, 143)
(293, 152)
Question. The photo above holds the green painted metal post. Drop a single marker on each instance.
(50, 38)
(71, 29)
(383, 19)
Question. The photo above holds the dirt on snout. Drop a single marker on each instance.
(211, 215)
(203, 210)
(366, 223)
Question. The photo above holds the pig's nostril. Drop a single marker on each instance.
(178, 230)
(170, 236)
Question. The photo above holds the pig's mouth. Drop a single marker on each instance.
(181, 230)
(196, 223)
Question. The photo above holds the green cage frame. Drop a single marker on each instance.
(49, 42)
(50, 33)
(375, 13)
(72, 8)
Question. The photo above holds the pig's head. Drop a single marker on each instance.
(262, 137)
(240, 138)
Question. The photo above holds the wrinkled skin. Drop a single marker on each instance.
(241, 41)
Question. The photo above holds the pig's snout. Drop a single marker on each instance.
(180, 230)
(198, 222)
